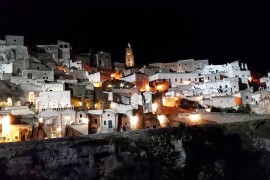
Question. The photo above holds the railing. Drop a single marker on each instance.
(59, 109)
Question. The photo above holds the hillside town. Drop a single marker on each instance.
(46, 92)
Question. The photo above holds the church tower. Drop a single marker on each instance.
(129, 56)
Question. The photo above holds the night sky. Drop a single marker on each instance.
(220, 31)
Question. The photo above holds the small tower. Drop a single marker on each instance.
(129, 56)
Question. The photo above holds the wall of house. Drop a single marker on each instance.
(94, 78)
(19, 65)
(17, 51)
(176, 78)
(5, 76)
(223, 101)
(109, 121)
(51, 49)
(70, 63)
(81, 118)
(53, 87)
(104, 60)
(14, 40)
(35, 74)
(53, 99)
(64, 50)
(6, 68)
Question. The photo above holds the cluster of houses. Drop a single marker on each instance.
(89, 93)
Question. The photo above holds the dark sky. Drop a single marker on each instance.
(168, 30)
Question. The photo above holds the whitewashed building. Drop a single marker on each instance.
(53, 99)
(188, 65)
(232, 69)
(266, 80)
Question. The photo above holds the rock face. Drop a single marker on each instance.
(233, 151)
(78, 158)
(261, 143)
(182, 153)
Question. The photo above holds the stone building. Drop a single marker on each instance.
(109, 121)
(129, 57)
(187, 65)
(14, 40)
(53, 99)
(140, 80)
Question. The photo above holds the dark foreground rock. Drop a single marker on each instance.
(231, 151)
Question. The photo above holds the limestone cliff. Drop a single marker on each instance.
(231, 151)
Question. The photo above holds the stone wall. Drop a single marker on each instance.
(221, 118)
(85, 155)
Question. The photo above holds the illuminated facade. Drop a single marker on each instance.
(129, 57)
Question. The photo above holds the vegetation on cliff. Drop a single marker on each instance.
(229, 151)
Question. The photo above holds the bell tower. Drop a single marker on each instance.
(129, 56)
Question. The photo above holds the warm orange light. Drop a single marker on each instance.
(163, 120)
(159, 87)
(116, 75)
(195, 118)
(98, 84)
(133, 122)
(6, 125)
(147, 88)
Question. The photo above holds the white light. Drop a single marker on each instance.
(163, 120)
(40, 120)
(6, 125)
(58, 129)
(159, 87)
(163, 100)
(195, 118)
(133, 122)
(154, 107)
